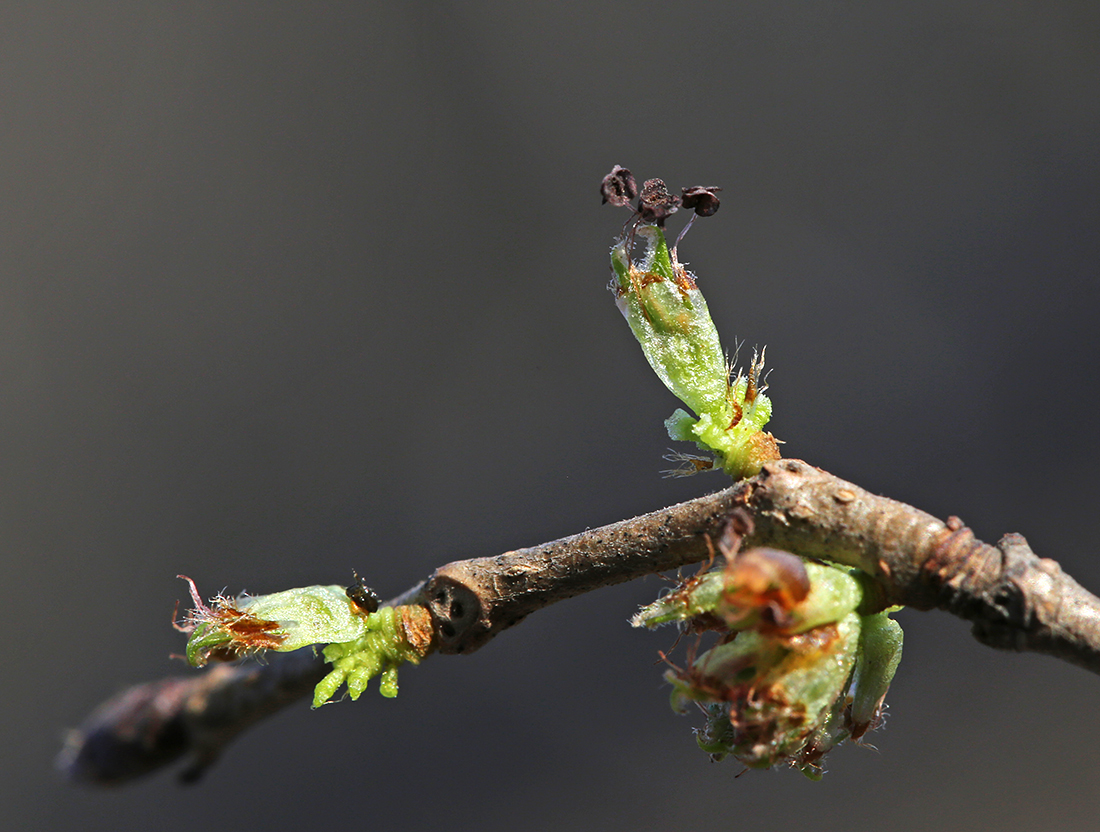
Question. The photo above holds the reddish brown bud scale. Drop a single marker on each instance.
(737, 412)
(769, 574)
(417, 628)
(763, 448)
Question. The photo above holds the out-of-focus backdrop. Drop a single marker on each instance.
(287, 289)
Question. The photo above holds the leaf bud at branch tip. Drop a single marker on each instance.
(361, 640)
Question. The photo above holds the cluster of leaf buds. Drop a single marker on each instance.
(668, 315)
(361, 639)
(797, 668)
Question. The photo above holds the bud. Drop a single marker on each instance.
(668, 315)
(762, 589)
(880, 653)
(776, 692)
(670, 319)
(797, 669)
(359, 643)
(283, 621)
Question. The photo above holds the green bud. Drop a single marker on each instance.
(694, 598)
(281, 621)
(833, 594)
(360, 644)
(793, 654)
(668, 315)
(309, 615)
(206, 641)
(777, 692)
(757, 590)
(880, 653)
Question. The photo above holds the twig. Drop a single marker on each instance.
(1015, 600)
(155, 724)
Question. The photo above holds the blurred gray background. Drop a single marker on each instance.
(291, 289)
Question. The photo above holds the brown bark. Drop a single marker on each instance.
(1016, 601)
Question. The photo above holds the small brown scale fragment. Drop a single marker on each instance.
(416, 628)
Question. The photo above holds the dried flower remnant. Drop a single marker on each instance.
(702, 198)
(618, 187)
(704, 201)
(656, 204)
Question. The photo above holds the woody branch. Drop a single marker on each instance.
(1015, 600)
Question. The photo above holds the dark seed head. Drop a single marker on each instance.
(702, 198)
(656, 204)
(618, 187)
(362, 595)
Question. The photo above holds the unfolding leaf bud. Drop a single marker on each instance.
(361, 641)
(792, 647)
(395, 635)
(760, 589)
